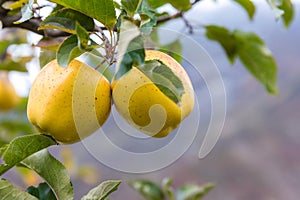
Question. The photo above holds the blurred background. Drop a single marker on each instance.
(257, 156)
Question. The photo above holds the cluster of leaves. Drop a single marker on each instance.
(153, 191)
(14, 123)
(8, 61)
(23, 152)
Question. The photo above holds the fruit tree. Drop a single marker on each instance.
(96, 53)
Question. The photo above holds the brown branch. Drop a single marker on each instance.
(31, 25)
(177, 15)
(170, 17)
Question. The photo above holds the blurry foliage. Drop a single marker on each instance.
(14, 123)
(153, 191)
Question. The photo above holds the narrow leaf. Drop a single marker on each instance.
(8, 191)
(102, 191)
(53, 172)
(148, 17)
(46, 56)
(101, 10)
(65, 20)
(49, 43)
(225, 38)
(27, 12)
(68, 50)
(248, 5)
(163, 77)
(42, 192)
(131, 6)
(131, 48)
(288, 14)
(14, 5)
(258, 59)
(134, 56)
(10, 65)
(82, 36)
(182, 5)
(167, 187)
(3, 45)
(3, 149)
(148, 189)
(22, 147)
(274, 4)
(173, 49)
(193, 192)
(155, 3)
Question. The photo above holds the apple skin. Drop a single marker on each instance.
(8, 96)
(69, 103)
(140, 102)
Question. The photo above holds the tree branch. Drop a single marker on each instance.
(176, 15)
(34, 23)
(31, 25)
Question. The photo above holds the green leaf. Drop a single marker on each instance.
(148, 17)
(3, 45)
(3, 149)
(82, 36)
(131, 6)
(53, 172)
(50, 43)
(8, 191)
(167, 187)
(182, 5)
(193, 192)
(46, 56)
(163, 77)
(134, 56)
(258, 59)
(173, 49)
(248, 5)
(131, 48)
(10, 65)
(42, 192)
(274, 4)
(14, 123)
(156, 3)
(102, 191)
(225, 38)
(15, 126)
(117, 5)
(14, 5)
(26, 11)
(22, 147)
(148, 189)
(251, 50)
(68, 50)
(65, 19)
(288, 14)
(101, 10)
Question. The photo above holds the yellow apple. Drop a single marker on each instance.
(70, 103)
(144, 106)
(8, 95)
